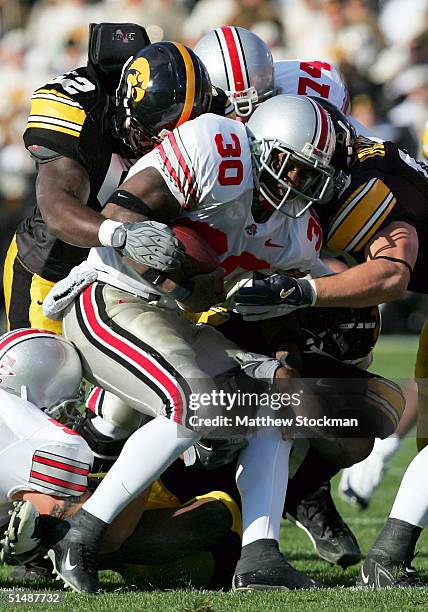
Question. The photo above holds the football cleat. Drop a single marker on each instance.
(20, 544)
(39, 569)
(378, 572)
(330, 535)
(267, 570)
(75, 554)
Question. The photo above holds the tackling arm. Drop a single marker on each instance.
(384, 277)
(62, 189)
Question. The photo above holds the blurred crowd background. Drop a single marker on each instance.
(380, 46)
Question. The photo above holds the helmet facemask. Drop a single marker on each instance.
(69, 410)
(273, 160)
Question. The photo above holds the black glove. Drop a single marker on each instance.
(274, 296)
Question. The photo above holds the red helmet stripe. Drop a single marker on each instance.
(11, 337)
(322, 131)
(235, 60)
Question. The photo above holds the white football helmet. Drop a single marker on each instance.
(43, 368)
(239, 63)
(285, 130)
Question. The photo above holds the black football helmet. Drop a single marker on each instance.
(344, 152)
(346, 334)
(160, 88)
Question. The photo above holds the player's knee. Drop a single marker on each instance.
(344, 452)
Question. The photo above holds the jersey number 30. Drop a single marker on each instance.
(230, 170)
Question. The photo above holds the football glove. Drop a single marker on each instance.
(65, 291)
(150, 243)
(258, 366)
(20, 544)
(274, 296)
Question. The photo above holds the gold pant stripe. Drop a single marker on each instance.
(8, 276)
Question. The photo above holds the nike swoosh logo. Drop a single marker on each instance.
(364, 577)
(121, 195)
(269, 243)
(68, 566)
(285, 293)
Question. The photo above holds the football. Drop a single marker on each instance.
(201, 257)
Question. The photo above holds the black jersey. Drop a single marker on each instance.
(71, 116)
(386, 184)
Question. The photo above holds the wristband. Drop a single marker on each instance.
(106, 231)
(313, 290)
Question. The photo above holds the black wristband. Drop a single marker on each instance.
(131, 202)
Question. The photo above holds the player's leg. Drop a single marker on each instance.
(142, 354)
(261, 565)
(421, 376)
(206, 529)
(389, 562)
(24, 293)
(359, 482)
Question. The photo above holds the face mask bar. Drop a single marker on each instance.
(245, 102)
(68, 411)
(317, 189)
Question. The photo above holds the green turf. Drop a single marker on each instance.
(394, 357)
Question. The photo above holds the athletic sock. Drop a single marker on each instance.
(411, 501)
(147, 453)
(262, 477)
(397, 540)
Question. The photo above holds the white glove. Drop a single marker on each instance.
(66, 290)
(359, 482)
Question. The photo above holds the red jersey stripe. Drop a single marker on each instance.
(61, 466)
(58, 481)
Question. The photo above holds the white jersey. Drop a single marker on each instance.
(312, 78)
(38, 454)
(206, 164)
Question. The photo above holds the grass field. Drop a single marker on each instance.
(395, 358)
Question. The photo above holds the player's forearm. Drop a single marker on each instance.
(373, 282)
(76, 224)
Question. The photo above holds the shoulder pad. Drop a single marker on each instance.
(42, 154)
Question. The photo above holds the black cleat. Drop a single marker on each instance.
(39, 569)
(332, 538)
(270, 572)
(378, 572)
(74, 556)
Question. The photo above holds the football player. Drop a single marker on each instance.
(81, 149)
(41, 459)
(377, 219)
(241, 64)
(136, 342)
(47, 465)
